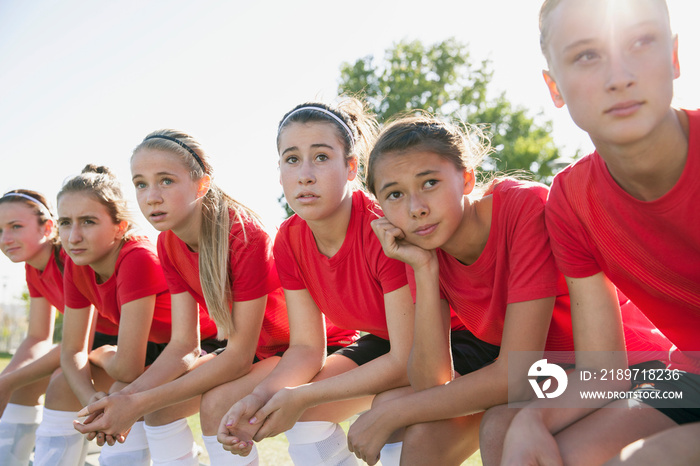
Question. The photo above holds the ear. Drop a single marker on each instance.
(204, 185)
(553, 89)
(676, 62)
(469, 181)
(122, 228)
(48, 227)
(352, 168)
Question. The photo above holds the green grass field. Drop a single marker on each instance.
(272, 451)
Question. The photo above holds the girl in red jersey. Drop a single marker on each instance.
(28, 234)
(119, 274)
(331, 267)
(623, 216)
(218, 264)
(487, 257)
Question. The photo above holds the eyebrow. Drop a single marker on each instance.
(138, 175)
(313, 146)
(82, 217)
(418, 175)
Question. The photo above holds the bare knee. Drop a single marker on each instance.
(215, 403)
(492, 432)
(59, 395)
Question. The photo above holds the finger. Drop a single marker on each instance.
(100, 439)
(110, 440)
(93, 407)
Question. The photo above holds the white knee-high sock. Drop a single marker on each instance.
(172, 444)
(219, 456)
(317, 443)
(57, 442)
(133, 452)
(18, 426)
(391, 454)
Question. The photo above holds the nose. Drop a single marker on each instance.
(418, 207)
(620, 73)
(306, 174)
(153, 196)
(5, 237)
(74, 235)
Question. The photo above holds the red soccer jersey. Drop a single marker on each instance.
(48, 284)
(517, 265)
(649, 250)
(349, 287)
(252, 269)
(137, 274)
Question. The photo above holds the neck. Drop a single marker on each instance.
(330, 232)
(104, 268)
(469, 241)
(190, 231)
(41, 259)
(649, 168)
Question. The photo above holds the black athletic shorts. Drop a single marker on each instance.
(152, 349)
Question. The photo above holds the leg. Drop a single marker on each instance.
(492, 432)
(610, 429)
(318, 438)
(170, 438)
(57, 442)
(19, 422)
(450, 441)
(677, 446)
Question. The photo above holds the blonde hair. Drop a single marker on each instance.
(546, 10)
(217, 206)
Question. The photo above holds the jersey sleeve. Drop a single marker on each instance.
(287, 268)
(533, 273)
(176, 284)
(252, 264)
(139, 275)
(29, 277)
(568, 238)
(73, 297)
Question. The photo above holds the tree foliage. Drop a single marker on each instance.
(442, 80)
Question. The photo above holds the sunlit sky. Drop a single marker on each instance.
(84, 81)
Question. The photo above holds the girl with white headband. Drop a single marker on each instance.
(28, 234)
(332, 268)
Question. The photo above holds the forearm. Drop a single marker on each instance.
(379, 375)
(35, 370)
(76, 369)
(175, 360)
(203, 378)
(298, 366)
(30, 350)
(430, 362)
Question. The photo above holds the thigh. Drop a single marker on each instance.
(336, 411)
(675, 446)
(610, 429)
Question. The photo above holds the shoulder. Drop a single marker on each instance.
(138, 248)
(517, 194)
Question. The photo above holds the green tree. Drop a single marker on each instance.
(441, 79)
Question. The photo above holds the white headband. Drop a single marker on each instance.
(30, 198)
(330, 114)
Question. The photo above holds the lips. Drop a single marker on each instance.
(306, 197)
(425, 229)
(624, 108)
(157, 215)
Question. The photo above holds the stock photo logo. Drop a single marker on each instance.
(542, 368)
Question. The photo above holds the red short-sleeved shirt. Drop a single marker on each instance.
(48, 284)
(252, 269)
(137, 274)
(349, 287)
(649, 250)
(517, 265)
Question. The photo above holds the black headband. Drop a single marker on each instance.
(182, 144)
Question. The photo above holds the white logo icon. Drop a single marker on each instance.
(542, 368)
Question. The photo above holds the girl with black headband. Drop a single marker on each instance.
(111, 272)
(218, 263)
(28, 234)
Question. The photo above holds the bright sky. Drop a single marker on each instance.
(84, 81)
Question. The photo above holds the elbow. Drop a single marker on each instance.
(126, 374)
